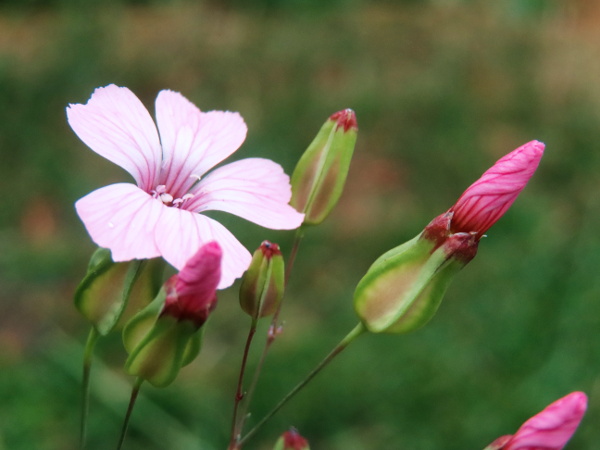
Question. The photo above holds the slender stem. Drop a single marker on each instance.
(236, 422)
(134, 394)
(356, 331)
(88, 355)
(292, 258)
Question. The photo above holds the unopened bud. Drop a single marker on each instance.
(263, 283)
(403, 289)
(320, 175)
(108, 287)
(165, 335)
(291, 440)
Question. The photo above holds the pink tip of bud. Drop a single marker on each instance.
(192, 294)
(269, 249)
(486, 200)
(345, 118)
(550, 429)
(293, 441)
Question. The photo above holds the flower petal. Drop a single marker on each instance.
(256, 189)
(193, 141)
(181, 233)
(122, 218)
(551, 428)
(115, 124)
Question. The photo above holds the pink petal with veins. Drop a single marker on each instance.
(552, 428)
(486, 200)
(116, 125)
(256, 189)
(123, 218)
(192, 140)
(180, 233)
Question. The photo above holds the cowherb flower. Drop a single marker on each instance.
(169, 161)
(550, 429)
(403, 289)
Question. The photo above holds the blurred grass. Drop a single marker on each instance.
(441, 89)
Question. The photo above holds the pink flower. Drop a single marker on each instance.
(550, 429)
(192, 294)
(486, 200)
(159, 216)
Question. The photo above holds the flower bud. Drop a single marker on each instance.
(486, 200)
(319, 176)
(403, 289)
(550, 429)
(263, 283)
(108, 288)
(164, 336)
(291, 440)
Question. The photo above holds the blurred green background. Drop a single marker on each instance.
(441, 89)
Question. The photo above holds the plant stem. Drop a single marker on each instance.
(134, 393)
(236, 422)
(88, 355)
(356, 331)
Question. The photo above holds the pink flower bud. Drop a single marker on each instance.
(486, 200)
(192, 294)
(291, 440)
(550, 429)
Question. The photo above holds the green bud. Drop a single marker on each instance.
(263, 283)
(108, 288)
(319, 176)
(403, 289)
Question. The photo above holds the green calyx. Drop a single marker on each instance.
(320, 175)
(403, 289)
(108, 288)
(159, 346)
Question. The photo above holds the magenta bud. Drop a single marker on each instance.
(550, 429)
(192, 294)
(320, 175)
(164, 336)
(263, 283)
(486, 200)
(291, 440)
(402, 290)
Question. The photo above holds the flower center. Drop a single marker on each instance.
(161, 194)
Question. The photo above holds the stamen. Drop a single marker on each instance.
(166, 198)
(160, 193)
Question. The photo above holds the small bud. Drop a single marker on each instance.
(108, 288)
(263, 283)
(291, 440)
(320, 175)
(164, 336)
(550, 429)
(403, 289)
